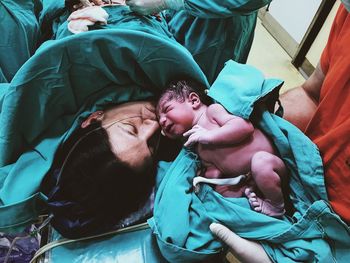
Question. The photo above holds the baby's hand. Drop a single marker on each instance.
(197, 134)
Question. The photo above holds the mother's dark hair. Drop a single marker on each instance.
(92, 189)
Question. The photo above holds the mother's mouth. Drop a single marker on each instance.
(153, 142)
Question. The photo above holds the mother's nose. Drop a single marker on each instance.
(148, 129)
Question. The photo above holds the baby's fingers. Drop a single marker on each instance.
(189, 133)
(191, 140)
(188, 143)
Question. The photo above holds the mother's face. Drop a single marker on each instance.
(133, 132)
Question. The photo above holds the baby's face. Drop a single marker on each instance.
(175, 117)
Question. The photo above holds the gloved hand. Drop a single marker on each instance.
(79, 20)
(147, 7)
(243, 249)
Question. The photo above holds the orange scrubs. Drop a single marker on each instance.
(330, 126)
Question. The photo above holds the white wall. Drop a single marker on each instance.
(294, 16)
(320, 42)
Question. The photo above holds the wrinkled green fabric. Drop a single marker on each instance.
(50, 17)
(62, 83)
(135, 246)
(181, 218)
(120, 17)
(215, 31)
(19, 35)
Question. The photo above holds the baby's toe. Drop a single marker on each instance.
(258, 208)
(249, 192)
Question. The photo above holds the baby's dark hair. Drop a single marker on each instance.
(181, 89)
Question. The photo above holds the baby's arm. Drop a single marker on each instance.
(232, 130)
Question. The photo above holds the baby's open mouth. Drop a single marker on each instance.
(168, 128)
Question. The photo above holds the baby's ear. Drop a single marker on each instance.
(194, 100)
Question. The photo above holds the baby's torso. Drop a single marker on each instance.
(232, 160)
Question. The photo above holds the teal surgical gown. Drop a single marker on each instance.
(215, 31)
(212, 30)
(20, 34)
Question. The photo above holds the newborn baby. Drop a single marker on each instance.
(227, 145)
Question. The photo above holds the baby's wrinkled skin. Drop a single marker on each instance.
(228, 146)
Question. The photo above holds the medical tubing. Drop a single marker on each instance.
(64, 241)
(31, 234)
(106, 126)
(12, 246)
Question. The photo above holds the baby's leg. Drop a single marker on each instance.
(267, 170)
(212, 172)
(227, 190)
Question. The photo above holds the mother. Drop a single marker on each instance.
(63, 83)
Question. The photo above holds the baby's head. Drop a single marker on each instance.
(178, 106)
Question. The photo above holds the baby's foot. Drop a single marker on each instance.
(264, 206)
